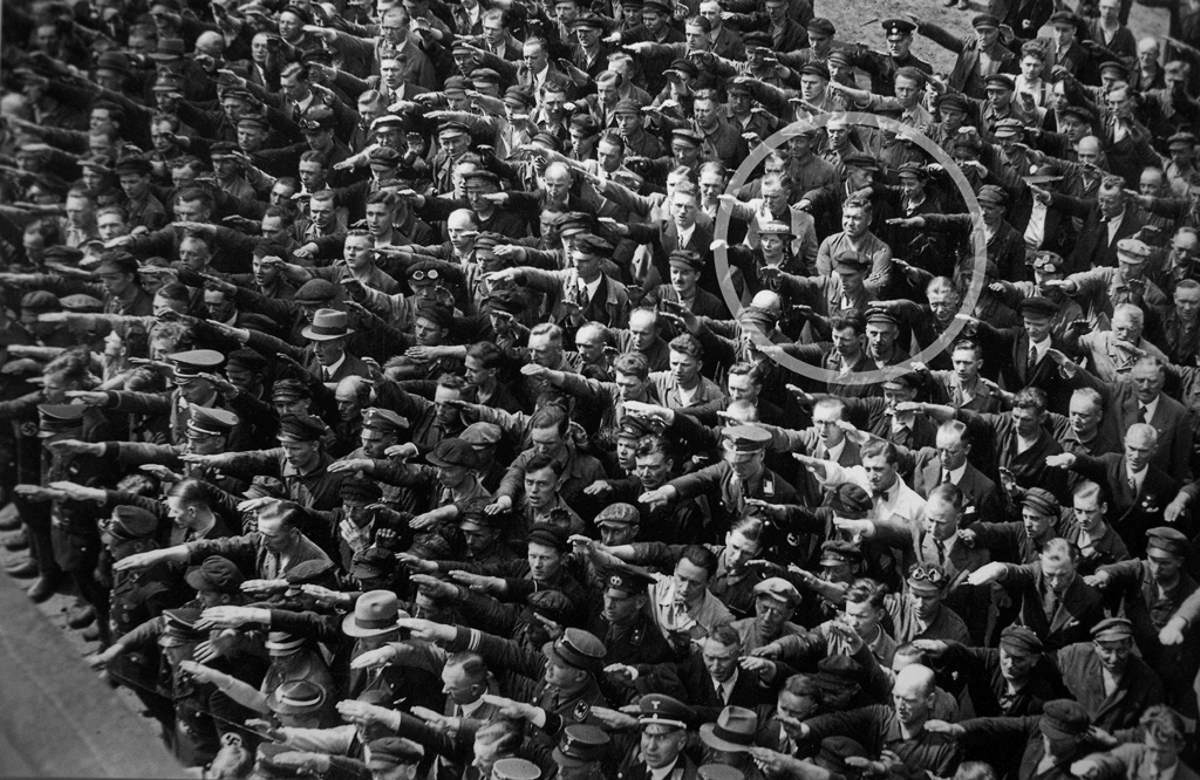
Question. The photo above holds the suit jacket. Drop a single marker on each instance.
(1131, 762)
(981, 496)
(351, 366)
(968, 75)
(1138, 689)
(1079, 608)
(1171, 419)
(1014, 373)
(1130, 515)
(1093, 248)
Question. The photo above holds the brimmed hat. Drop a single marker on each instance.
(297, 697)
(733, 732)
(327, 325)
(375, 613)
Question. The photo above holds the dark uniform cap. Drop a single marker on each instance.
(1064, 719)
(548, 535)
(288, 390)
(449, 129)
(581, 744)
(686, 258)
(1082, 113)
(778, 588)
(215, 574)
(951, 100)
(898, 27)
(388, 752)
(746, 438)
(1121, 69)
(626, 579)
(1002, 80)
(317, 118)
(360, 489)
(252, 118)
(660, 6)
(1041, 501)
(132, 522)
(593, 20)
(1021, 638)
(505, 300)
(821, 25)
(1008, 128)
(914, 169)
(209, 421)
(551, 604)
(193, 362)
(837, 552)
(991, 193)
(882, 317)
(1169, 540)
(133, 164)
(113, 60)
(384, 420)
(632, 427)
(906, 380)
(1039, 305)
(179, 625)
(1048, 262)
(515, 769)
(1112, 630)
(481, 434)
(40, 301)
(592, 244)
(985, 20)
(840, 667)
(56, 419)
(372, 563)
(453, 452)
(301, 428)
(861, 160)
(815, 68)
(619, 513)
(482, 174)
(473, 512)
(519, 95)
(458, 84)
(660, 709)
(297, 697)
(687, 134)
(317, 291)
(578, 649)
(247, 360)
(485, 76)
(840, 57)
(385, 121)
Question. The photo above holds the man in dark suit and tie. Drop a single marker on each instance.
(1106, 220)
(947, 462)
(1026, 351)
(1138, 490)
(329, 361)
(1055, 602)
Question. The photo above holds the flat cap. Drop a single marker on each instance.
(40, 301)
(360, 489)
(592, 244)
(1020, 638)
(1112, 629)
(1133, 250)
(984, 20)
(1170, 540)
(620, 513)
(778, 588)
(317, 292)
(132, 522)
(388, 752)
(1001, 80)
(688, 135)
(1041, 501)
(849, 260)
(993, 194)
(1008, 128)
(1064, 719)
(551, 604)
(289, 390)
(1082, 113)
(215, 574)
(1064, 16)
(686, 258)
(850, 500)
(452, 453)
(861, 160)
(548, 535)
(815, 68)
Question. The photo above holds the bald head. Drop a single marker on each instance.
(912, 694)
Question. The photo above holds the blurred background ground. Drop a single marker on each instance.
(858, 21)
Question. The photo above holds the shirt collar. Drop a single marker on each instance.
(328, 371)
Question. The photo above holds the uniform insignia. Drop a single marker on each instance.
(29, 429)
(636, 636)
(582, 708)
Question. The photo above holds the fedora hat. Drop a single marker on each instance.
(327, 325)
(375, 613)
(733, 732)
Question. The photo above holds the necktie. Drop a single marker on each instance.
(1133, 485)
(1031, 361)
(941, 550)
(945, 476)
(1051, 604)
(1141, 417)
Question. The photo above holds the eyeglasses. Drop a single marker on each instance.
(311, 125)
(931, 574)
(420, 276)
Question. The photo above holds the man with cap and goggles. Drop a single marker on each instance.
(1160, 599)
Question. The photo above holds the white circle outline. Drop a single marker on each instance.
(887, 124)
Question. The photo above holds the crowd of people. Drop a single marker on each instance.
(401, 388)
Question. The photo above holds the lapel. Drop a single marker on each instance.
(931, 475)
(1066, 607)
